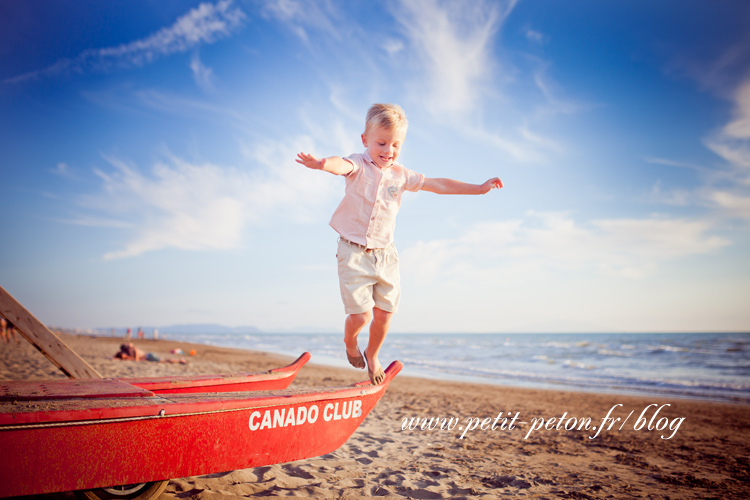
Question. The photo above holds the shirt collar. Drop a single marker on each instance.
(370, 160)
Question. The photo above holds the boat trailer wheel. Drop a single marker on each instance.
(142, 491)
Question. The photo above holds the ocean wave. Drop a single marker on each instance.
(705, 366)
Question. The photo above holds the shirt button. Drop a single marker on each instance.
(372, 218)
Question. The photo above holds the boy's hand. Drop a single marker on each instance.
(335, 164)
(494, 183)
(310, 161)
(451, 186)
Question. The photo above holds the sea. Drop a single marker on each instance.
(704, 366)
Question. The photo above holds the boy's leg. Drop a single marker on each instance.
(356, 279)
(378, 330)
(353, 325)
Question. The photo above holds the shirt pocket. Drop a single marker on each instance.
(366, 188)
(393, 192)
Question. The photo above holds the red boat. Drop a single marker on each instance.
(67, 435)
(91, 434)
(278, 378)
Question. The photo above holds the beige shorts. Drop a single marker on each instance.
(368, 278)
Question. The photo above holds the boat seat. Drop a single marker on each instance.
(66, 389)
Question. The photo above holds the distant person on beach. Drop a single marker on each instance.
(129, 351)
(7, 330)
(365, 220)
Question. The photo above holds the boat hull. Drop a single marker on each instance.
(196, 434)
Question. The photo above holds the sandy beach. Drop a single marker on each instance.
(694, 449)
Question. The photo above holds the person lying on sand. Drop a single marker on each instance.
(131, 352)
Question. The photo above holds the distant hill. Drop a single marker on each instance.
(194, 328)
(208, 328)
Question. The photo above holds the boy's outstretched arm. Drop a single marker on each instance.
(450, 186)
(335, 164)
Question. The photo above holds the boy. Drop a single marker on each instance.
(365, 220)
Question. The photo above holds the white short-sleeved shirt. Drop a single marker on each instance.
(367, 214)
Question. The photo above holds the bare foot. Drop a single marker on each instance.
(374, 370)
(355, 359)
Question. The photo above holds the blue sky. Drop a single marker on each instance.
(148, 176)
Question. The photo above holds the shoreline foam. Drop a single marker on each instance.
(708, 367)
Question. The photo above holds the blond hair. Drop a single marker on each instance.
(388, 116)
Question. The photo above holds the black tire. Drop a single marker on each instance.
(143, 491)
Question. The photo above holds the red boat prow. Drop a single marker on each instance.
(111, 432)
(278, 378)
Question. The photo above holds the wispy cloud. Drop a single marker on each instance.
(675, 163)
(128, 99)
(519, 143)
(445, 52)
(63, 170)
(92, 221)
(725, 188)
(535, 37)
(732, 142)
(732, 203)
(202, 74)
(453, 41)
(459, 73)
(191, 207)
(206, 23)
(203, 207)
(553, 104)
(548, 243)
(675, 197)
(719, 68)
(302, 17)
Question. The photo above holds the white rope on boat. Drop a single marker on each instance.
(161, 414)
